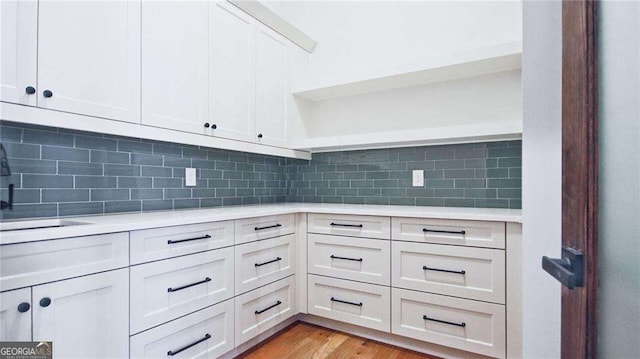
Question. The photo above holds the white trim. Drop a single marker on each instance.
(45, 117)
(514, 289)
(481, 61)
(485, 132)
(277, 23)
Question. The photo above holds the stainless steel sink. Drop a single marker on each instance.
(37, 224)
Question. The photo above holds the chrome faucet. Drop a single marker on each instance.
(5, 170)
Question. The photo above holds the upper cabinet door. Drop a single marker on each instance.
(175, 65)
(232, 69)
(271, 87)
(15, 315)
(89, 58)
(18, 46)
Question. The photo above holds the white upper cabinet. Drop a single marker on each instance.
(175, 65)
(232, 72)
(272, 88)
(18, 46)
(89, 58)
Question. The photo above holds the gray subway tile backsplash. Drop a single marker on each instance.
(60, 172)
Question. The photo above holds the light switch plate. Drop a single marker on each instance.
(418, 178)
(190, 177)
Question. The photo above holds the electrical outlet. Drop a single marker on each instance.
(418, 178)
(190, 177)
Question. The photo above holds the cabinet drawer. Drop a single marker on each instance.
(475, 273)
(26, 264)
(263, 308)
(253, 229)
(365, 260)
(160, 243)
(262, 262)
(447, 231)
(210, 328)
(356, 303)
(164, 290)
(459, 323)
(349, 225)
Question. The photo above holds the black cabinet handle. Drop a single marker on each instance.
(206, 236)
(24, 307)
(47, 93)
(267, 262)
(463, 324)
(444, 270)
(346, 302)
(172, 353)
(346, 225)
(214, 126)
(440, 231)
(30, 90)
(268, 227)
(206, 125)
(267, 308)
(259, 135)
(44, 302)
(170, 290)
(347, 258)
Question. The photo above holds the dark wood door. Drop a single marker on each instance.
(580, 172)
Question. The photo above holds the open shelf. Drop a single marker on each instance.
(486, 60)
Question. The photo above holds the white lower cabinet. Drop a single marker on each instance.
(85, 317)
(469, 325)
(262, 262)
(207, 333)
(15, 315)
(263, 308)
(164, 290)
(357, 303)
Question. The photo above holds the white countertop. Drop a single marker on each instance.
(111, 223)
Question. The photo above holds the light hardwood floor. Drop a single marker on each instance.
(306, 341)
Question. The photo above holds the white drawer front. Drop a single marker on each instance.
(262, 262)
(464, 324)
(26, 264)
(474, 273)
(350, 225)
(160, 243)
(196, 281)
(356, 303)
(253, 229)
(210, 328)
(365, 260)
(264, 308)
(447, 231)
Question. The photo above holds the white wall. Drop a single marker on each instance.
(541, 175)
(361, 38)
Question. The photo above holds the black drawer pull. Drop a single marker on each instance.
(267, 262)
(188, 240)
(463, 324)
(445, 270)
(346, 302)
(346, 225)
(170, 290)
(267, 308)
(268, 227)
(440, 231)
(347, 258)
(172, 353)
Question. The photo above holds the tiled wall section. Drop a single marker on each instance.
(466, 175)
(59, 172)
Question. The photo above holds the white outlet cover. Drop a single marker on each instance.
(190, 177)
(418, 178)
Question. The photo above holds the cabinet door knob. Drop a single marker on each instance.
(30, 90)
(206, 125)
(214, 126)
(24, 307)
(44, 302)
(259, 135)
(47, 93)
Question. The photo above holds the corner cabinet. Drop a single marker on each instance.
(80, 57)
